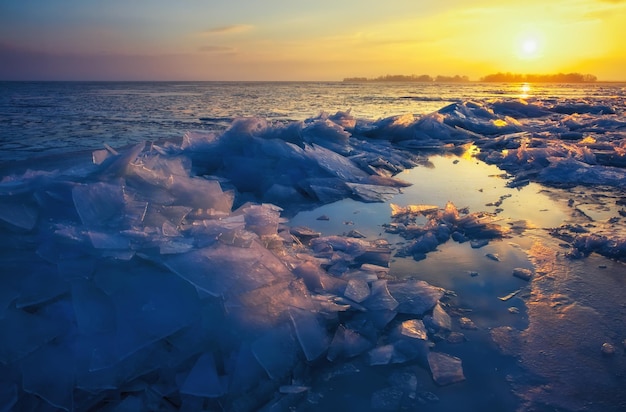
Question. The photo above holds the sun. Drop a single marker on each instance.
(529, 47)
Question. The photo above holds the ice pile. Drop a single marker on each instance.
(165, 278)
(441, 225)
(298, 164)
(567, 143)
(136, 284)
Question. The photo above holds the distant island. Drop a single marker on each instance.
(423, 78)
(540, 78)
(491, 78)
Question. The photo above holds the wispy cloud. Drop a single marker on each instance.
(217, 49)
(230, 29)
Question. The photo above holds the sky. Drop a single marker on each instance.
(318, 40)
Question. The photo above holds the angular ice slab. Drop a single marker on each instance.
(380, 297)
(335, 164)
(223, 269)
(445, 369)
(311, 333)
(357, 290)
(99, 204)
(276, 351)
(18, 213)
(439, 321)
(415, 297)
(347, 343)
(25, 333)
(48, 373)
(203, 380)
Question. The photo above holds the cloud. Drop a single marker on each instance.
(217, 49)
(230, 29)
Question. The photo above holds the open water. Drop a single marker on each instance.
(55, 117)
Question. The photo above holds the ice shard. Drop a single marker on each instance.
(203, 379)
(276, 351)
(445, 369)
(99, 204)
(415, 297)
(311, 333)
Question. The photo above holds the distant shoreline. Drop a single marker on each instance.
(490, 78)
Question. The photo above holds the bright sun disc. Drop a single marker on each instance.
(529, 47)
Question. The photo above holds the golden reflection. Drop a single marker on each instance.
(525, 90)
(471, 152)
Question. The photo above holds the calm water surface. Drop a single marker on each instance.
(55, 117)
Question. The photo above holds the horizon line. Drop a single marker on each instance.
(345, 80)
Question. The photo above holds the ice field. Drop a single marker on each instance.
(471, 257)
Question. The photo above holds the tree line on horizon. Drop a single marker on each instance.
(423, 78)
(540, 78)
(491, 78)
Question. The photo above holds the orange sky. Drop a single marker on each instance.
(322, 40)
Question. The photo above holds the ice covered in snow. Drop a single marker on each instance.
(165, 277)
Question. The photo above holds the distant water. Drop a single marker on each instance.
(41, 118)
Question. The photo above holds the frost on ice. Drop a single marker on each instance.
(166, 277)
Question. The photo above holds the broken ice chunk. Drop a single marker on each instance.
(439, 321)
(99, 204)
(200, 193)
(303, 233)
(415, 297)
(317, 280)
(246, 371)
(220, 269)
(347, 343)
(372, 193)
(262, 219)
(150, 304)
(357, 290)
(381, 355)
(93, 309)
(157, 215)
(203, 380)
(413, 329)
(18, 213)
(39, 283)
(310, 332)
(135, 211)
(397, 210)
(467, 323)
(377, 253)
(48, 373)
(445, 369)
(23, 333)
(101, 240)
(380, 298)
(335, 163)
(327, 190)
(276, 351)
(117, 164)
(522, 273)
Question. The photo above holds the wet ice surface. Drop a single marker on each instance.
(330, 263)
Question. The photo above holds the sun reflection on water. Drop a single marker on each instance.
(525, 90)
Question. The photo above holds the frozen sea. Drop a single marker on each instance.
(312, 246)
